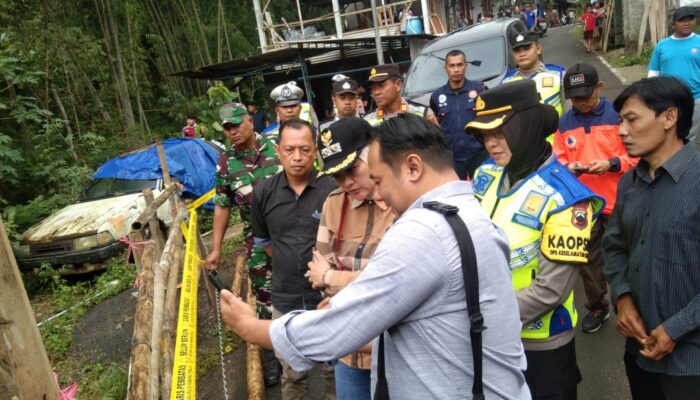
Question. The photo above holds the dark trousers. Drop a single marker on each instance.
(462, 168)
(646, 385)
(592, 273)
(553, 374)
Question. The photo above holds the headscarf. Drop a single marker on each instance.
(526, 132)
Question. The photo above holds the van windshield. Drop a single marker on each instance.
(427, 73)
(110, 187)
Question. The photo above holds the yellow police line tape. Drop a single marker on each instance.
(198, 203)
(185, 364)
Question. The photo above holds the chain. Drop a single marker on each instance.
(221, 345)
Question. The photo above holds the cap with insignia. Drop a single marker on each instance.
(494, 106)
(232, 113)
(287, 94)
(341, 144)
(345, 86)
(380, 73)
(523, 39)
(580, 81)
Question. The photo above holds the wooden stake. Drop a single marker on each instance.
(151, 209)
(167, 337)
(643, 28)
(163, 164)
(256, 386)
(25, 372)
(153, 225)
(139, 386)
(160, 274)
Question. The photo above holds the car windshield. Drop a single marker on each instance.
(427, 73)
(110, 187)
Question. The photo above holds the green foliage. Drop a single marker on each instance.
(626, 60)
(104, 382)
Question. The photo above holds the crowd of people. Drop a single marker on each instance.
(431, 252)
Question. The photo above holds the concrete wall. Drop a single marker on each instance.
(632, 11)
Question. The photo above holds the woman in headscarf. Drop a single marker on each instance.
(547, 215)
(353, 222)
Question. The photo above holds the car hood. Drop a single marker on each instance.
(113, 214)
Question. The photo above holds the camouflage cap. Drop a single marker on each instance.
(232, 113)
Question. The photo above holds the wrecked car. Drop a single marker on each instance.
(89, 231)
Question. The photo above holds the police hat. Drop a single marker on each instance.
(380, 73)
(345, 86)
(341, 144)
(287, 94)
(494, 106)
(523, 39)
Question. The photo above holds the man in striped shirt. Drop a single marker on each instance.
(652, 243)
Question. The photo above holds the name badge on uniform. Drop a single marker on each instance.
(548, 82)
(533, 204)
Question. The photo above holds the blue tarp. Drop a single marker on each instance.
(191, 161)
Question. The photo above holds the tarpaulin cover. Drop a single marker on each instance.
(191, 161)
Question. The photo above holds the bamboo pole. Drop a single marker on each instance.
(151, 209)
(237, 272)
(153, 225)
(160, 274)
(25, 372)
(139, 387)
(256, 386)
(167, 337)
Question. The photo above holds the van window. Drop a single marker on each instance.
(110, 187)
(427, 73)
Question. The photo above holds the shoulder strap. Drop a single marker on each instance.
(470, 275)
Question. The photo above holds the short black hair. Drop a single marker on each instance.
(661, 93)
(455, 53)
(410, 133)
(296, 123)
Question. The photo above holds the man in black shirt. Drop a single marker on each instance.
(652, 242)
(286, 213)
(260, 120)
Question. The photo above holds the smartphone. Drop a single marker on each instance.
(216, 280)
(579, 169)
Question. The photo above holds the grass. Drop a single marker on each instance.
(51, 293)
(620, 59)
(54, 293)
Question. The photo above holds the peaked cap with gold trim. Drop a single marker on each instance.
(494, 106)
(341, 144)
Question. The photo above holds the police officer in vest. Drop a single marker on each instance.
(547, 215)
(526, 52)
(344, 96)
(288, 105)
(385, 85)
(453, 105)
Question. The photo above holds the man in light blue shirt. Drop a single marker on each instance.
(412, 290)
(679, 55)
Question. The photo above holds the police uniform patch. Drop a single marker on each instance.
(571, 141)
(473, 94)
(442, 98)
(330, 150)
(326, 138)
(533, 204)
(548, 81)
(480, 104)
(482, 182)
(566, 234)
(579, 217)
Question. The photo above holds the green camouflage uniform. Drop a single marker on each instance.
(236, 174)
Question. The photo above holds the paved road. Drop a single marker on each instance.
(599, 354)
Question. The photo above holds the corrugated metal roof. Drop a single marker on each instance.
(289, 57)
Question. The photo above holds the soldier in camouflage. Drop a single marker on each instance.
(250, 160)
